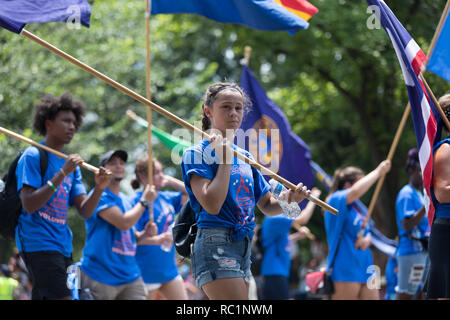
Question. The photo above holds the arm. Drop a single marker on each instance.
(177, 185)
(361, 186)
(270, 207)
(87, 205)
(301, 233)
(410, 222)
(33, 199)
(441, 174)
(150, 235)
(122, 221)
(306, 214)
(211, 194)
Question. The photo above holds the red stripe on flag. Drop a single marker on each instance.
(418, 62)
(428, 172)
(300, 5)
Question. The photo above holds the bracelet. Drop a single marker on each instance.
(62, 171)
(51, 185)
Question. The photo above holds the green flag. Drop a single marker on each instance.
(167, 139)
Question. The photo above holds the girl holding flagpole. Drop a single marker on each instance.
(157, 263)
(223, 191)
(349, 256)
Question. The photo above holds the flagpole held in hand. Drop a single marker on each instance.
(149, 97)
(167, 114)
(48, 149)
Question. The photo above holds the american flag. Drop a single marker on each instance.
(426, 118)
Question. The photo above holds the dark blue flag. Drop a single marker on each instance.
(269, 138)
(15, 14)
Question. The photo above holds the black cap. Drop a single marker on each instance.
(107, 156)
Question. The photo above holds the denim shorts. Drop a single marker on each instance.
(217, 256)
(412, 270)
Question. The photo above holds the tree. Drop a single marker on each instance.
(338, 82)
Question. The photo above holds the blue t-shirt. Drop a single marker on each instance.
(276, 244)
(350, 263)
(409, 200)
(46, 229)
(157, 265)
(391, 276)
(246, 187)
(108, 255)
(442, 209)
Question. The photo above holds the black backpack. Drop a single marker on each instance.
(184, 230)
(10, 204)
(257, 254)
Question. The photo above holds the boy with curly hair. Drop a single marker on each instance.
(43, 236)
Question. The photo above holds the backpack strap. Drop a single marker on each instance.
(43, 160)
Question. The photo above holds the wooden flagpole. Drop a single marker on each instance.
(48, 149)
(149, 97)
(167, 114)
(403, 121)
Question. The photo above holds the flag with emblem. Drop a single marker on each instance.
(268, 136)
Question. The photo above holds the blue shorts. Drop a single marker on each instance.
(217, 256)
(411, 272)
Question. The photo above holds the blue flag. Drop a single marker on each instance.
(14, 15)
(269, 138)
(439, 62)
(266, 15)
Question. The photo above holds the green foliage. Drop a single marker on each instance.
(338, 82)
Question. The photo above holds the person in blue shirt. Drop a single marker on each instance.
(43, 236)
(108, 266)
(391, 276)
(413, 231)
(439, 254)
(349, 256)
(157, 263)
(223, 191)
(276, 242)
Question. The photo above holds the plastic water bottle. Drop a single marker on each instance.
(165, 246)
(279, 192)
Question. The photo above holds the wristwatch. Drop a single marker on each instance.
(144, 203)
